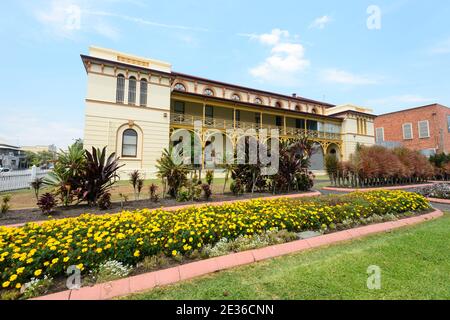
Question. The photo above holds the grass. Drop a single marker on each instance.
(25, 198)
(414, 262)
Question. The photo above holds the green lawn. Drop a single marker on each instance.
(414, 262)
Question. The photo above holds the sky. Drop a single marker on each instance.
(385, 55)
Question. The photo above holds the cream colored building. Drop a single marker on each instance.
(133, 104)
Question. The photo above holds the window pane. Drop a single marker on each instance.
(407, 131)
(132, 91)
(129, 150)
(209, 112)
(143, 94)
(179, 107)
(448, 123)
(120, 89)
(129, 143)
(423, 129)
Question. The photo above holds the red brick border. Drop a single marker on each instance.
(151, 280)
(442, 201)
(195, 205)
(375, 189)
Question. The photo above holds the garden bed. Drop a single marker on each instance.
(22, 216)
(128, 238)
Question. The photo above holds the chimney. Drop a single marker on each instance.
(294, 95)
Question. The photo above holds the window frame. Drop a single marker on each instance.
(258, 100)
(123, 155)
(411, 130)
(210, 92)
(428, 129)
(142, 95)
(179, 103)
(120, 89)
(382, 134)
(132, 90)
(179, 87)
(448, 123)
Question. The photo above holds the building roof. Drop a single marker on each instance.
(354, 112)
(415, 108)
(173, 74)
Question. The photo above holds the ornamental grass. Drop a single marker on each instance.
(48, 249)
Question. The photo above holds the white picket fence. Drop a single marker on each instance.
(17, 180)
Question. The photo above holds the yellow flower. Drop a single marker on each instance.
(5, 284)
(99, 250)
(66, 259)
(18, 286)
(38, 272)
(174, 253)
(13, 277)
(137, 253)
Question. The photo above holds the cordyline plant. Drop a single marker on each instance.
(99, 175)
(137, 182)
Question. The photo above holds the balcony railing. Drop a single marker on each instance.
(225, 124)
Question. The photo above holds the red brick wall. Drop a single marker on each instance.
(436, 116)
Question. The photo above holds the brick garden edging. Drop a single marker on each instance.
(154, 279)
(411, 186)
(442, 201)
(195, 205)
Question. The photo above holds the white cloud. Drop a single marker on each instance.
(286, 59)
(348, 78)
(69, 18)
(23, 129)
(320, 23)
(400, 100)
(442, 47)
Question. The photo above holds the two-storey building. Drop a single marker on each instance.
(425, 128)
(133, 104)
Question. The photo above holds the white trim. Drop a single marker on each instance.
(428, 129)
(411, 128)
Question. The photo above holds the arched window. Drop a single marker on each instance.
(143, 94)
(278, 105)
(120, 89)
(179, 87)
(235, 97)
(314, 110)
(258, 101)
(208, 92)
(129, 143)
(132, 90)
(298, 108)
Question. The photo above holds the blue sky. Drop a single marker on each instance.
(318, 49)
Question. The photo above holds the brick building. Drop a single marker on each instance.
(425, 128)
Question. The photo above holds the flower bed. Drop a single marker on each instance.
(35, 251)
(437, 191)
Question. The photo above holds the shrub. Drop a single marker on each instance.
(36, 185)
(209, 177)
(112, 270)
(67, 175)
(172, 173)
(137, 182)
(207, 192)
(104, 202)
(155, 262)
(4, 207)
(131, 236)
(153, 189)
(47, 203)
(236, 187)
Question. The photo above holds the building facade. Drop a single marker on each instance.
(425, 128)
(134, 104)
(11, 157)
